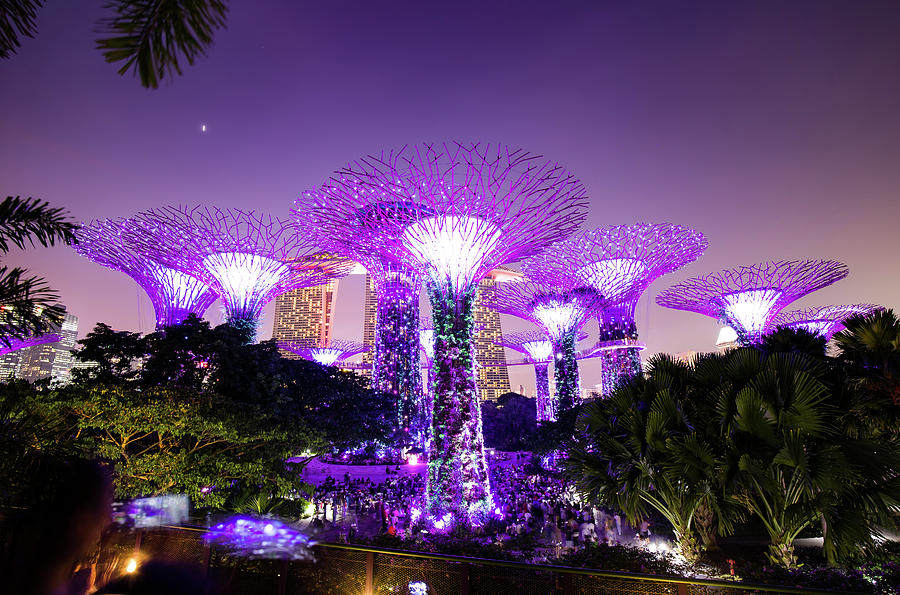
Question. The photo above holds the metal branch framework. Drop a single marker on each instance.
(17, 344)
(327, 353)
(748, 298)
(396, 366)
(638, 255)
(455, 211)
(824, 320)
(247, 258)
(561, 310)
(538, 348)
(175, 295)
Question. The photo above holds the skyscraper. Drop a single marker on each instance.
(493, 377)
(50, 360)
(305, 314)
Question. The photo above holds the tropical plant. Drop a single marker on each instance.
(27, 304)
(151, 37)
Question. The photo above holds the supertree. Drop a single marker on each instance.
(327, 353)
(538, 348)
(748, 298)
(14, 344)
(247, 258)
(603, 258)
(456, 212)
(396, 366)
(561, 311)
(824, 321)
(175, 295)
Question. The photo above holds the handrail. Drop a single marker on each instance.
(743, 586)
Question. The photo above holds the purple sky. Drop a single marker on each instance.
(773, 128)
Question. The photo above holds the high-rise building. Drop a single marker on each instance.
(49, 360)
(304, 315)
(370, 318)
(493, 377)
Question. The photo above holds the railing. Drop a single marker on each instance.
(341, 569)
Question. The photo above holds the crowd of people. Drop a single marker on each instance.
(539, 504)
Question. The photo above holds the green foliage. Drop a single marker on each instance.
(115, 356)
(153, 37)
(27, 304)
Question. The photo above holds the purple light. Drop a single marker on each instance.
(261, 538)
(455, 212)
(748, 298)
(326, 353)
(824, 321)
(174, 294)
(620, 262)
(16, 344)
(248, 259)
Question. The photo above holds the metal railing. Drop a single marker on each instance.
(343, 569)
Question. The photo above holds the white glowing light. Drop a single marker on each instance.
(452, 247)
(412, 460)
(539, 351)
(817, 327)
(131, 566)
(183, 290)
(203, 128)
(613, 276)
(325, 355)
(558, 316)
(726, 335)
(426, 341)
(246, 280)
(751, 309)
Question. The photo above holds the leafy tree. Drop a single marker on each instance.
(27, 304)
(114, 357)
(152, 37)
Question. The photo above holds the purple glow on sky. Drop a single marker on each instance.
(772, 128)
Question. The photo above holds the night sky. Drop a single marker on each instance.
(772, 127)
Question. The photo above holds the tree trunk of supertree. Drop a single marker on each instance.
(395, 366)
(565, 372)
(546, 407)
(617, 365)
(458, 481)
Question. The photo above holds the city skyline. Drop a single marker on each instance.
(793, 158)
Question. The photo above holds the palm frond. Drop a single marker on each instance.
(153, 37)
(27, 306)
(16, 19)
(30, 220)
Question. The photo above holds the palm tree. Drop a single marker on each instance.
(27, 304)
(151, 37)
(638, 450)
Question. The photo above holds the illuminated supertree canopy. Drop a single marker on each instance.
(175, 295)
(396, 364)
(247, 258)
(561, 311)
(748, 298)
(457, 211)
(605, 258)
(13, 344)
(327, 353)
(538, 348)
(825, 320)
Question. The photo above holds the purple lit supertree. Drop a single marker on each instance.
(538, 348)
(396, 366)
(327, 353)
(456, 212)
(561, 311)
(248, 259)
(824, 321)
(748, 298)
(603, 258)
(175, 295)
(15, 344)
